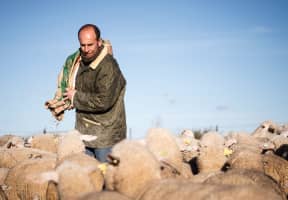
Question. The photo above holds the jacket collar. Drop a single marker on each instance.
(107, 49)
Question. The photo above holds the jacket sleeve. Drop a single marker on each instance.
(108, 87)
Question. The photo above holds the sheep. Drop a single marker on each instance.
(4, 140)
(11, 141)
(279, 140)
(79, 174)
(46, 142)
(277, 168)
(13, 156)
(3, 196)
(72, 143)
(245, 177)
(248, 142)
(188, 145)
(211, 159)
(69, 147)
(171, 189)
(28, 179)
(244, 159)
(131, 168)
(76, 175)
(211, 156)
(212, 139)
(3, 175)
(202, 177)
(69, 143)
(163, 145)
(229, 192)
(105, 195)
(266, 129)
(166, 189)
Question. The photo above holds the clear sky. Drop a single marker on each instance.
(188, 63)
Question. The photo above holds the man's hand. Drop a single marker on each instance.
(69, 94)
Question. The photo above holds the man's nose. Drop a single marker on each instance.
(86, 48)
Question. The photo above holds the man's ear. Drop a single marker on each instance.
(100, 42)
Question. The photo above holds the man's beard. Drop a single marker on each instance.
(88, 60)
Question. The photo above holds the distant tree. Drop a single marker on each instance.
(197, 134)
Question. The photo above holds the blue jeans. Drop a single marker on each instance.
(99, 153)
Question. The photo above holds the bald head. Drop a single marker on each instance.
(93, 27)
(90, 42)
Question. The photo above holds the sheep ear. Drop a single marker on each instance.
(112, 160)
(52, 192)
(9, 145)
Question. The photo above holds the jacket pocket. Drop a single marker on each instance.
(91, 121)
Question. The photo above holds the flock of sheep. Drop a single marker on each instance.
(160, 166)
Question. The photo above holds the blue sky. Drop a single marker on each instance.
(188, 63)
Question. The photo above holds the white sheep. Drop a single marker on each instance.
(211, 156)
(276, 168)
(71, 142)
(11, 141)
(27, 180)
(163, 145)
(188, 145)
(171, 189)
(266, 129)
(13, 156)
(131, 168)
(104, 195)
(78, 174)
(46, 142)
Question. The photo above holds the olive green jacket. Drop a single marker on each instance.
(99, 102)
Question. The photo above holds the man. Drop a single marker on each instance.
(95, 86)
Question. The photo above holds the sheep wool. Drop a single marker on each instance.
(45, 142)
(277, 168)
(105, 195)
(11, 141)
(70, 143)
(13, 156)
(3, 175)
(267, 129)
(185, 190)
(75, 180)
(163, 145)
(212, 139)
(131, 168)
(25, 180)
(211, 159)
(245, 177)
(245, 159)
(74, 170)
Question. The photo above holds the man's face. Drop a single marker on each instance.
(89, 45)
